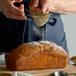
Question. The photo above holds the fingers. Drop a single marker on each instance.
(34, 6)
(13, 12)
(13, 1)
(40, 6)
(44, 6)
(34, 3)
(14, 16)
(36, 10)
(16, 10)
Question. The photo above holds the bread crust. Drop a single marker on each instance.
(36, 56)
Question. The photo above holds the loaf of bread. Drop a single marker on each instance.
(36, 56)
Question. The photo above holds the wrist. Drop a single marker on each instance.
(58, 6)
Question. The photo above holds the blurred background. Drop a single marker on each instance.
(70, 30)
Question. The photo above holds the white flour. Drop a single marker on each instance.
(39, 31)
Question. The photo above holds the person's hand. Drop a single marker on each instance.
(11, 11)
(41, 6)
(56, 6)
(34, 6)
(46, 6)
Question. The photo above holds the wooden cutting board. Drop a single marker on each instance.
(47, 72)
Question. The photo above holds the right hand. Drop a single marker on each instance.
(34, 6)
(39, 6)
(11, 11)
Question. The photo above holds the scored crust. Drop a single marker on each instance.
(37, 55)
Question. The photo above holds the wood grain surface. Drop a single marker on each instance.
(47, 72)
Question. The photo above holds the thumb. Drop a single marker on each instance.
(36, 3)
(21, 7)
(44, 5)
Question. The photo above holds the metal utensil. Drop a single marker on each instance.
(2, 59)
(62, 73)
(21, 74)
(15, 74)
(72, 60)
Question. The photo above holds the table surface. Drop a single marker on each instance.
(68, 69)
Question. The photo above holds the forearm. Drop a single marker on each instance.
(0, 10)
(65, 6)
(0, 5)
